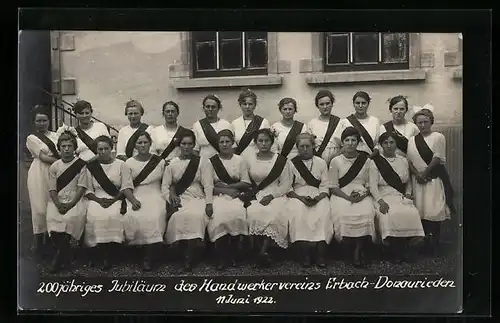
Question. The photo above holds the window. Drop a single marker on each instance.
(365, 51)
(229, 53)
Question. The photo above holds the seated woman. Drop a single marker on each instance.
(398, 219)
(188, 187)
(146, 226)
(309, 208)
(272, 177)
(352, 207)
(229, 222)
(66, 209)
(108, 182)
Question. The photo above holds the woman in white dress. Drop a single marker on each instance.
(323, 127)
(287, 129)
(128, 135)
(246, 125)
(368, 126)
(431, 183)
(267, 215)
(146, 226)
(311, 223)
(42, 146)
(206, 129)
(399, 126)
(351, 206)
(398, 220)
(188, 187)
(66, 210)
(229, 222)
(166, 137)
(109, 184)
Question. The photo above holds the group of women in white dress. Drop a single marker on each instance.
(353, 180)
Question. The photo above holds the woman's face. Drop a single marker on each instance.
(187, 146)
(211, 108)
(360, 105)
(84, 116)
(305, 148)
(170, 113)
(142, 145)
(247, 106)
(389, 146)
(66, 149)
(103, 151)
(263, 142)
(325, 106)
(134, 115)
(225, 144)
(288, 111)
(41, 122)
(350, 143)
(423, 123)
(399, 111)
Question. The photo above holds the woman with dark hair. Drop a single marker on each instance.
(229, 222)
(188, 186)
(109, 182)
(311, 223)
(399, 126)
(351, 206)
(398, 222)
(323, 127)
(41, 143)
(66, 210)
(166, 137)
(146, 226)
(431, 182)
(206, 129)
(127, 135)
(368, 126)
(246, 125)
(287, 129)
(272, 177)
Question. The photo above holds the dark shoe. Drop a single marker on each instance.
(264, 260)
(55, 266)
(146, 266)
(321, 262)
(106, 265)
(307, 262)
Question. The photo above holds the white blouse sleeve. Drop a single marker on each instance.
(33, 145)
(325, 183)
(197, 136)
(244, 177)
(166, 182)
(121, 144)
(440, 148)
(333, 174)
(374, 181)
(126, 177)
(285, 181)
(207, 180)
(53, 177)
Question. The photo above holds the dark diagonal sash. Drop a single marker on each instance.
(401, 140)
(249, 133)
(86, 139)
(273, 175)
(389, 174)
(46, 140)
(305, 173)
(291, 137)
(129, 149)
(332, 125)
(354, 170)
(221, 171)
(188, 177)
(362, 131)
(69, 174)
(210, 133)
(148, 168)
(107, 185)
(173, 143)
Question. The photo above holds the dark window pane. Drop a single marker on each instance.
(205, 56)
(201, 36)
(229, 35)
(256, 35)
(257, 53)
(230, 54)
(365, 46)
(395, 48)
(337, 48)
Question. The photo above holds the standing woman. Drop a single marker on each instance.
(351, 206)
(309, 206)
(166, 138)
(229, 222)
(287, 129)
(66, 209)
(127, 136)
(272, 177)
(188, 187)
(367, 126)
(109, 184)
(399, 126)
(323, 127)
(206, 129)
(246, 125)
(147, 224)
(431, 181)
(42, 145)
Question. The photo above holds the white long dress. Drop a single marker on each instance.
(311, 223)
(97, 129)
(190, 221)
(73, 222)
(429, 197)
(270, 220)
(407, 129)
(230, 216)
(318, 128)
(282, 132)
(403, 219)
(351, 219)
(240, 126)
(161, 139)
(106, 225)
(38, 181)
(372, 126)
(202, 145)
(146, 225)
(124, 135)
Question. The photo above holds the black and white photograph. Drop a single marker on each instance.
(237, 164)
